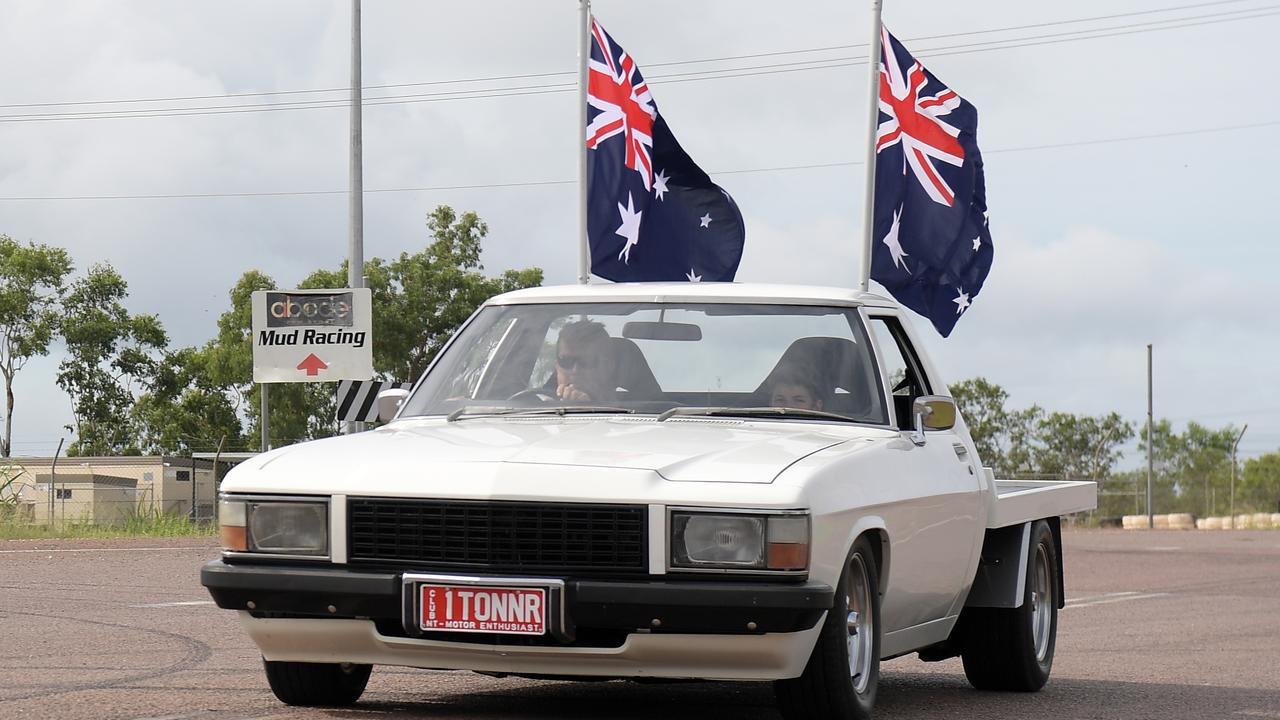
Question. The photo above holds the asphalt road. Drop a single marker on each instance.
(1161, 624)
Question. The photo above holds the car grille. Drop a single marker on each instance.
(573, 538)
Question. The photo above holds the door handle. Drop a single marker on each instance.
(961, 451)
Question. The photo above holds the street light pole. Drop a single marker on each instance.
(1235, 445)
(355, 261)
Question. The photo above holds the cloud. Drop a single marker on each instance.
(1100, 248)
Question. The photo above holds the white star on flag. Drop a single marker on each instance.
(692, 277)
(706, 220)
(660, 184)
(977, 243)
(895, 247)
(961, 301)
(629, 229)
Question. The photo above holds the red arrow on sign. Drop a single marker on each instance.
(312, 364)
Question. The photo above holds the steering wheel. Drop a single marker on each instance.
(531, 394)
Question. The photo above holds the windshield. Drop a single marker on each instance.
(775, 361)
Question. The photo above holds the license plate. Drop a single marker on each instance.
(478, 609)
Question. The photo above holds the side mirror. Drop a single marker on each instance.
(389, 402)
(934, 412)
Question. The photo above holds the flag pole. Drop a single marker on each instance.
(873, 118)
(584, 55)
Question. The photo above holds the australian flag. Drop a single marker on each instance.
(652, 214)
(931, 246)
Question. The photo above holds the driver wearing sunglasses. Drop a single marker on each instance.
(585, 365)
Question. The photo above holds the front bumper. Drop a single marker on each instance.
(703, 629)
(677, 606)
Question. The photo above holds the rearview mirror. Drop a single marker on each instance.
(936, 412)
(389, 402)
(645, 330)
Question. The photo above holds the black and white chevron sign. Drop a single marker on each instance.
(358, 399)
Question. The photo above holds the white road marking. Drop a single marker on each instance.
(1087, 598)
(1258, 713)
(86, 550)
(174, 604)
(1164, 548)
(1121, 597)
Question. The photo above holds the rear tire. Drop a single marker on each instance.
(317, 684)
(1012, 648)
(842, 674)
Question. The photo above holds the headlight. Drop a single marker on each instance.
(739, 541)
(275, 527)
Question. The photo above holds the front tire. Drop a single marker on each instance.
(317, 684)
(842, 674)
(1012, 648)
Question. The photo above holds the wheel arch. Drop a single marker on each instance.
(879, 540)
(872, 528)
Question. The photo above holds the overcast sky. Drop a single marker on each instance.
(1130, 163)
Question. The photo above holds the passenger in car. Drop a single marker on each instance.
(795, 386)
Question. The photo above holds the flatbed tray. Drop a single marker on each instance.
(1019, 501)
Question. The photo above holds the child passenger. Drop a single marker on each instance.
(795, 386)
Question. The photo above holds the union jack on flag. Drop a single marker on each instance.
(615, 88)
(932, 248)
(652, 213)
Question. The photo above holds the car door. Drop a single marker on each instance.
(934, 524)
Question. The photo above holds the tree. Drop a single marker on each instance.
(428, 294)
(1080, 447)
(1192, 469)
(185, 410)
(109, 355)
(1005, 438)
(1205, 465)
(981, 403)
(31, 284)
(419, 300)
(1259, 489)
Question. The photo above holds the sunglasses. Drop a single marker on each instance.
(573, 362)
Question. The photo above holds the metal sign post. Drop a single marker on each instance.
(266, 435)
(1151, 461)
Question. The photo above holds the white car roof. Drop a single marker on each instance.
(756, 293)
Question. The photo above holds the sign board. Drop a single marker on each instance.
(312, 335)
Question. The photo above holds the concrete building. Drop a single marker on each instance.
(80, 496)
(168, 484)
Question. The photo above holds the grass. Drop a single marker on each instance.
(141, 524)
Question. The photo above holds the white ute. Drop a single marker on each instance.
(721, 481)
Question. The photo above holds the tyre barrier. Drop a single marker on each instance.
(1187, 521)
(1134, 522)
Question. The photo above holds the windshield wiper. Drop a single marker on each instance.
(479, 411)
(483, 411)
(575, 410)
(755, 412)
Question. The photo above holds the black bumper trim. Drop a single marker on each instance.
(302, 591)
(700, 606)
